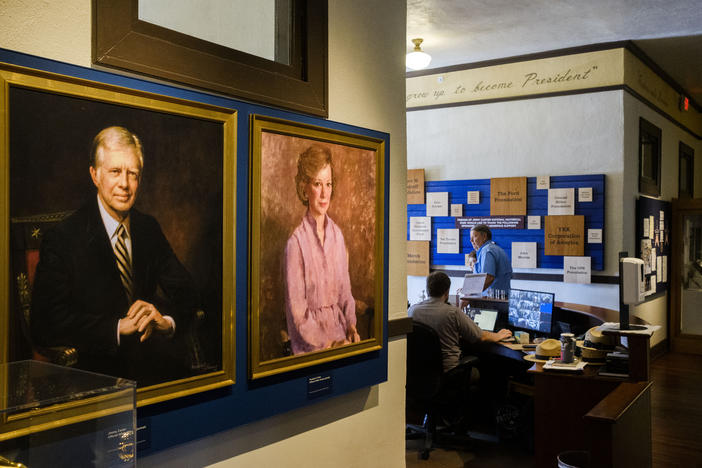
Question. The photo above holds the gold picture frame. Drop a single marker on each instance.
(46, 126)
(275, 342)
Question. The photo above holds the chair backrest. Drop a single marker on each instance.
(424, 362)
(26, 234)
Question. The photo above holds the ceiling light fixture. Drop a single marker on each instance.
(417, 59)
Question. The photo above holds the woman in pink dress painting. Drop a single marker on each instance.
(319, 307)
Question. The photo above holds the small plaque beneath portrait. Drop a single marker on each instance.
(415, 186)
(561, 201)
(319, 385)
(564, 235)
(437, 204)
(447, 241)
(417, 258)
(508, 196)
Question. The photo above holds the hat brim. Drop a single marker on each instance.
(532, 358)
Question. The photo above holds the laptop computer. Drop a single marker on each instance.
(485, 319)
(473, 285)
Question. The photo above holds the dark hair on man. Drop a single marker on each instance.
(438, 283)
(483, 229)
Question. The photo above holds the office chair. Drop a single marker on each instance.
(435, 394)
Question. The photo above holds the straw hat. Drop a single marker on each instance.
(592, 356)
(594, 348)
(545, 351)
(594, 339)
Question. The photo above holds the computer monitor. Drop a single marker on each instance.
(484, 318)
(530, 310)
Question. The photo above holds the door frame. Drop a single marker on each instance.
(681, 342)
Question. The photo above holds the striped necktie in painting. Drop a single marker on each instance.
(124, 264)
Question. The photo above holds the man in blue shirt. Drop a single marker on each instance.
(492, 260)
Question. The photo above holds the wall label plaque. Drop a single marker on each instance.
(415, 187)
(564, 235)
(417, 258)
(319, 385)
(508, 196)
(493, 222)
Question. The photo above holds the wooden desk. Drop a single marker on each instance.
(561, 401)
(608, 416)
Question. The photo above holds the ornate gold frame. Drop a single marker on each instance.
(259, 368)
(11, 76)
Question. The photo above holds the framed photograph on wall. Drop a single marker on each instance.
(119, 209)
(649, 158)
(269, 52)
(317, 245)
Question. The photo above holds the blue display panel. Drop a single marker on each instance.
(180, 420)
(537, 205)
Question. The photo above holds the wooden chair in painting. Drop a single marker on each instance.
(25, 238)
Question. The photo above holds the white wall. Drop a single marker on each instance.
(364, 428)
(565, 135)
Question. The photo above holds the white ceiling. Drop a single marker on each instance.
(465, 31)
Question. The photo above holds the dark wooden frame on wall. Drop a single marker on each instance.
(686, 176)
(121, 40)
(649, 134)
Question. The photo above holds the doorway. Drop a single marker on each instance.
(686, 290)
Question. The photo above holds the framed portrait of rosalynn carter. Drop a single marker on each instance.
(61, 300)
(316, 245)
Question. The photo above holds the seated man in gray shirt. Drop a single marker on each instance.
(448, 321)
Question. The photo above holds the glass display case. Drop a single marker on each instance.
(58, 416)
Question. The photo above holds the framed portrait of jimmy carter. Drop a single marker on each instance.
(316, 245)
(82, 160)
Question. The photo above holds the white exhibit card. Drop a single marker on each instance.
(523, 254)
(457, 210)
(543, 182)
(420, 228)
(437, 204)
(646, 228)
(473, 197)
(533, 222)
(654, 259)
(646, 255)
(664, 267)
(447, 241)
(585, 194)
(659, 269)
(594, 236)
(651, 227)
(661, 224)
(576, 270)
(561, 201)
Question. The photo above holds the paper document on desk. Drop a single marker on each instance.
(473, 285)
(555, 365)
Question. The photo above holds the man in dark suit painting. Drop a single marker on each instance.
(108, 282)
